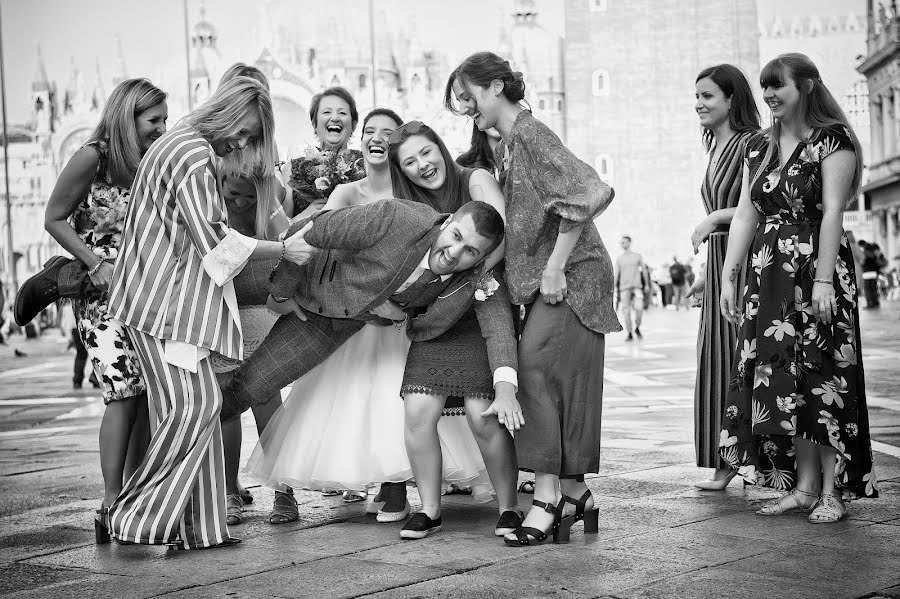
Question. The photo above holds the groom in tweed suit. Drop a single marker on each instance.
(396, 250)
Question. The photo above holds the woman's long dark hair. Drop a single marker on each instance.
(481, 69)
(446, 199)
(480, 154)
(743, 114)
(817, 108)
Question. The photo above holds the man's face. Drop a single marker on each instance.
(459, 247)
(625, 243)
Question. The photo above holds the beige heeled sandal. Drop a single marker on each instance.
(794, 500)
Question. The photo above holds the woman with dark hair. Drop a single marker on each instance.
(795, 416)
(454, 365)
(334, 116)
(558, 268)
(86, 215)
(729, 116)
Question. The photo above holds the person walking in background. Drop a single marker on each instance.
(632, 286)
(728, 116)
(678, 273)
(795, 417)
(872, 263)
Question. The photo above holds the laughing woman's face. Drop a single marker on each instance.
(334, 125)
(421, 161)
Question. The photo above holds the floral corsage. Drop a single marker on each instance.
(485, 286)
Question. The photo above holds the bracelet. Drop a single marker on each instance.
(93, 271)
(824, 282)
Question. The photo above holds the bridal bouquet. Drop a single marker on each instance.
(315, 175)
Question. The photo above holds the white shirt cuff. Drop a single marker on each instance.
(506, 374)
(227, 259)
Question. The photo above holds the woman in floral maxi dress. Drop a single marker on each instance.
(796, 416)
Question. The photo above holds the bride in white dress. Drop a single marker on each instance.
(341, 427)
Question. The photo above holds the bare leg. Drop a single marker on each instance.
(232, 437)
(421, 415)
(573, 488)
(827, 459)
(546, 489)
(140, 437)
(115, 432)
(809, 467)
(497, 450)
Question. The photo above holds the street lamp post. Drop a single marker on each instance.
(9, 233)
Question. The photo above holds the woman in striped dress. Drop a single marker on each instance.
(172, 290)
(729, 116)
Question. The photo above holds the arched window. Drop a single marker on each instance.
(599, 5)
(362, 82)
(541, 104)
(335, 81)
(604, 167)
(559, 105)
(600, 82)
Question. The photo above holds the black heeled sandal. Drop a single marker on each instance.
(528, 535)
(591, 517)
(101, 526)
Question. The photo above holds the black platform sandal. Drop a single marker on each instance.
(528, 535)
(591, 517)
(101, 526)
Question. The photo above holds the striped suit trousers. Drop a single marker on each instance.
(179, 489)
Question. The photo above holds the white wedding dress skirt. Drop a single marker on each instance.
(341, 426)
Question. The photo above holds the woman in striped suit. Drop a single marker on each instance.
(729, 116)
(172, 290)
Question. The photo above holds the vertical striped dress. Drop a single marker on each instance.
(717, 337)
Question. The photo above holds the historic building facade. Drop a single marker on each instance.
(881, 68)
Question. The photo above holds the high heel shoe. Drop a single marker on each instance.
(715, 485)
(528, 535)
(101, 526)
(591, 516)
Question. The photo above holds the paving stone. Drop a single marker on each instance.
(101, 586)
(18, 577)
(475, 585)
(334, 577)
(792, 527)
(589, 572)
(34, 541)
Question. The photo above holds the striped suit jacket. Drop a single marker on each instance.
(176, 234)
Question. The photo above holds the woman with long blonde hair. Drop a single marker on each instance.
(86, 215)
(795, 418)
(172, 290)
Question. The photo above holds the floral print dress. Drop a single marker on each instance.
(99, 220)
(794, 376)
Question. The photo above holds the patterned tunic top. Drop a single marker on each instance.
(548, 190)
(178, 254)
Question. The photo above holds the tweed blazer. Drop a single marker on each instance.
(368, 252)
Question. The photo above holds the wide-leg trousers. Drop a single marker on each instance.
(179, 489)
(561, 392)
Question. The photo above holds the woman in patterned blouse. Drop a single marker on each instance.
(558, 268)
(86, 215)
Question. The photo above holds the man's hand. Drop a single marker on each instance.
(506, 408)
(296, 249)
(390, 311)
(286, 307)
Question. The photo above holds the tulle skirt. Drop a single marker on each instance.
(341, 426)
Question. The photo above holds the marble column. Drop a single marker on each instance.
(877, 131)
(887, 124)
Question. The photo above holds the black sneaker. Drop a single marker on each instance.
(630, 337)
(637, 331)
(420, 526)
(508, 522)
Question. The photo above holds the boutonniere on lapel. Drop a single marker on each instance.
(485, 286)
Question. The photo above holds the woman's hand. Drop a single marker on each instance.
(102, 276)
(296, 249)
(727, 303)
(823, 302)
(701, 233)
(553, 284)
(697, 288)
